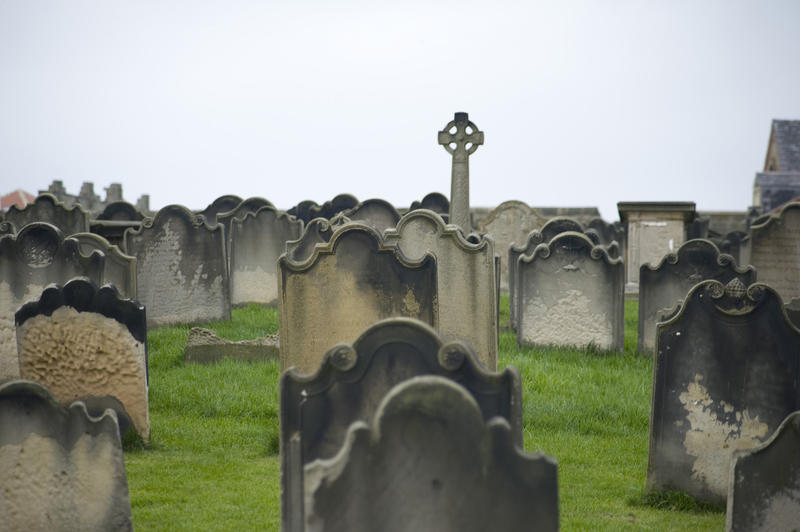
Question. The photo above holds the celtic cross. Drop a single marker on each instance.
(460, 138)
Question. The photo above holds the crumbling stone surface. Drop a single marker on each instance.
(204, 347)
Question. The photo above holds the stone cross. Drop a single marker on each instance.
(460, 138)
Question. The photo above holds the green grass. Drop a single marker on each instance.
(212, 462)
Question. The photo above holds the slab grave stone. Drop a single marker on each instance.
(181, 268)
(434, 201)
(224, 203)
(316, 410)
(89, 344)
(46, 208)
(465, 278)
(430, 462)
(205, 347)
(60, 467)
(255, 242)
(460, 138)
(663, 284)
(764, 485)
(119, 269)
(775, 250)
(378, 213)
(571, 293)
(29, 261)
(346, 285)
(510, 222)
(726, 374)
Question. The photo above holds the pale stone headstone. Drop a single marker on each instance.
(775, 250)
(430, 462)
(60, 468)
(119, 269)
(465, 279)
(510, 222)
(46, 208)
(181, 268)
(347, 284)
(256, 241)
(571, 293)
(317, 410)
(727, 372)
(460, 138)
(205, 347)
(764, 485)
(88, 344)
(29, 261)
(378, 213)
(662, 285)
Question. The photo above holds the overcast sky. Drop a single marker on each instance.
(581, 103)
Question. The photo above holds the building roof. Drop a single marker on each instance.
(19, 197)
(783, 152)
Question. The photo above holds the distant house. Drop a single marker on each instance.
(779, 183)
(19, 197)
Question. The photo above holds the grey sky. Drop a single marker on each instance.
(582, 103)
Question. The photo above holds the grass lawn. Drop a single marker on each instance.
(212, 463)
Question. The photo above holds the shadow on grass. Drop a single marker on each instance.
(675, 501)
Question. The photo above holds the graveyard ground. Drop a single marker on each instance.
(212, 463)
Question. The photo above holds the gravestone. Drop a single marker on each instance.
(7, 228)
(510, 222)
(88, 344)
(465, 279)
(378, 213)
(430, 462)
(726, 374)
(181, 268)
(46, 208)
(764, 485)
(570, 294)
(246, 206)
(731, 243)
(115, 219)
(460, 138)
(346, 285)
(308, 210)
(29, 261)
(775, 250)
(256, 241)
(221, 204)
(608, 232)
(119, 269)
(562, 224)
(317, 231)
(515, 251)
(205, 347)
(60, 468)
(434, 201)
(317, 410)
(663, 284)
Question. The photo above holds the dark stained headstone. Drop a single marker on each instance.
(121, 211)
(221, 204)
(308, 210)
(434, 201)
(88, 344)
(346, 285)
(727, 368)
(115, 219)
(181, 268)
(46, 208)
(732, 243)
(317, 410)
(764, 485)
(60, 468)
(7, 228)
(662, 285)
(119, 269)
(430, 462)
(29, 261)
(378, 213)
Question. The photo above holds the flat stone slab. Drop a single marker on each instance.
(205, 347)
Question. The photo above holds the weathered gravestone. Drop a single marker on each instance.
(88, 344)
(726, 374)
(429, 461)
(46, 208)
(115, 219)
(344, 286)
(764, 485)
(460, 138)
(7, 228)
(30, 260)
(378, 213)
(256, 241)
(181, 268)
(434, 201)
(308, 210)
(775, 250)
(60, 468)
(317, 410)
(119, 269)
(221, 204)
(510, 222)
(465, 279)
(317, 231)
(570, 293)
(205, 347)
(246, 206)
(661, 286)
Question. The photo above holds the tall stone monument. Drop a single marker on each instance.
(460, 138)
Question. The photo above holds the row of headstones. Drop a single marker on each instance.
(401, 430)
(566, 287)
